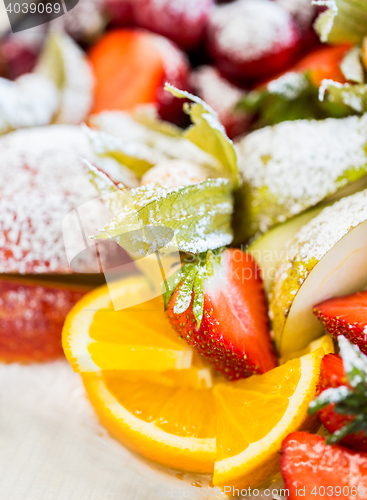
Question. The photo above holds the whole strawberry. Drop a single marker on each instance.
(217, 303)
(342, 401)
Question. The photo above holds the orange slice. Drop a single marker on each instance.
(183, 418)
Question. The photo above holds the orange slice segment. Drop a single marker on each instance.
(254, 415)
(171, 425)
(96, 337)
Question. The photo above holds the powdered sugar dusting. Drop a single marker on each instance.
(42, 179)
(29, 101)
(295, 165)
(137, 139)
(168, 16)
(322, 233)
(247, 30)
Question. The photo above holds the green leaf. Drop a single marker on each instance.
(199, 215)
(343, 21)
(208, 133)
(290, 97)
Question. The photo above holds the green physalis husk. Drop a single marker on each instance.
(191, 277)
(198, 216)
(348, 401)
(208, 133)
(343, 21)
(140, 140)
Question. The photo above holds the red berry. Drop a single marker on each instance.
(223, 97)
(234, 332)
(119, 11)
(251, 39)
(18, 54)
(312, 469)
(346, 316)
(332, 374)
(183, 21)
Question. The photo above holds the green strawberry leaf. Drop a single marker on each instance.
(198, 305)
(199, 215)
(172, 282)
(184, 297)
(208, 133)
(343, 21)
(192, 277)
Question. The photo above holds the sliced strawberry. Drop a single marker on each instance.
(333, 375)
(252, 39)
(31, 318)
(313, 469)
(332, 372)
(233, 334)
(346, 316)
(131, 68)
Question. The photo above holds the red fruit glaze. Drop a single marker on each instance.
(234, 333)
(308, 462)
(31, 319)
(346, 316)
(252, 39)
(183, 21)
(222, 96)
(332, 374)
